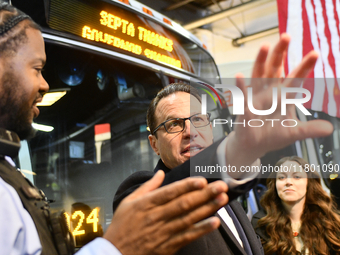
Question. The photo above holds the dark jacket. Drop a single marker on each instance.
(261, 232)
(33, 203)
(220, 241)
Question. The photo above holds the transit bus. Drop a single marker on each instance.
(106, 60)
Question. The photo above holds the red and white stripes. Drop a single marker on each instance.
(314, 24)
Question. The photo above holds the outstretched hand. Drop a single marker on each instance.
(161, 221)
(247, 143)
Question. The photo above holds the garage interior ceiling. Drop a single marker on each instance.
(237, 20)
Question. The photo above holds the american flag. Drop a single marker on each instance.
(314, 24)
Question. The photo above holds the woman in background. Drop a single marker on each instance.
(300, 217)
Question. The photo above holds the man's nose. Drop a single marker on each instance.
(44, 87)
(189, 129)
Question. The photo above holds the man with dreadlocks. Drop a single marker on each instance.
(27, 226)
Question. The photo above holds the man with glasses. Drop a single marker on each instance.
(176, 125)
(176, 140)
(179, 133)
(170, 139)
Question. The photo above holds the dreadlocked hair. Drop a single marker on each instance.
(11, 34)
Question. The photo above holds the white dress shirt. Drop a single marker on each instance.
(221, 152)
(18, 234)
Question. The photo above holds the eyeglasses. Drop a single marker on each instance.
(177, 125)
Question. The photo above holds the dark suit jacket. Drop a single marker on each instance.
(220, 241)
(261, 232)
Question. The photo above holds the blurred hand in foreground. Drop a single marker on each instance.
(247, 143)
(161, 221)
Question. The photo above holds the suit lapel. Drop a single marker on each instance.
(229, 238)
(254, 242)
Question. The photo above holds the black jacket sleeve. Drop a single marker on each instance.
(261, 232)
(129, 185)
(205, 158)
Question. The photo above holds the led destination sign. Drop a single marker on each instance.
(115, 22)
(125, 27)
(119, 29)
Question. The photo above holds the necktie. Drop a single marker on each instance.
(246, 245)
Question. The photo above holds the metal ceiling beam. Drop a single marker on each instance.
(226, 13)
(177, 5)
(237, 42)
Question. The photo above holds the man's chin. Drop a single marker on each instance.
(27, 133)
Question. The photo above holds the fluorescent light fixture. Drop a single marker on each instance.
(333, 176)
(52, 97)
(41, 127)
(27, 172)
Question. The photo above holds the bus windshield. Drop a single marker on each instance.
(92, 130)
(132, 33)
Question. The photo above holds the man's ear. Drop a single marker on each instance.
(2, 71)
(2, 66)
(153, 143)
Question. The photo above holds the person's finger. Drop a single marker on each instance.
(169, 192)
(313, 129)
(240, 83)
(259, 65)
(185, 237)
(305, 67)
(148, 186)
(274, 62)
(259, 68)
(186, 220)
(298, 76)
(193, 207)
